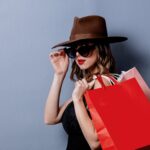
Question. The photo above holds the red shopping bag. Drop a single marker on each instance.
(125, 112)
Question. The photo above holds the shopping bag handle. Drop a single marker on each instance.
(112, 78)
(99, 77)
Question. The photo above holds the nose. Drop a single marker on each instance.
(77, 54)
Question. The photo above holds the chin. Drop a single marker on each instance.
(84, 67)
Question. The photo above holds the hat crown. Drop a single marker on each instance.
(88, 26)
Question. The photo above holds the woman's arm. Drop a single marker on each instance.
(60, 64)
(83, 118)
(52, 103)
(86, 125)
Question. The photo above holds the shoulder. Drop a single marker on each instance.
(106, 80)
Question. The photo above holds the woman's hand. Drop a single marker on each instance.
(80, 87)
(60, 62)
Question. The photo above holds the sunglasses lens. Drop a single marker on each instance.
(85, 50)
(70, 52)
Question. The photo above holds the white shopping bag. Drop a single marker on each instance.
(134, 73)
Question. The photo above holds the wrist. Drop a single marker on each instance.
(78, 103)
(76, 100)
(59, 76)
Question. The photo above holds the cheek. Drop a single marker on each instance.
(91, 61)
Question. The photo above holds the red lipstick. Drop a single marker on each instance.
(81, 61)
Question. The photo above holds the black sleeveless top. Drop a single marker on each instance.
(76, 139)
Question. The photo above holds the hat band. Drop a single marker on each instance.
(87, 36)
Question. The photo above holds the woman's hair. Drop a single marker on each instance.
(104, 64)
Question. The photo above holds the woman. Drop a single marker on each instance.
(89, 48)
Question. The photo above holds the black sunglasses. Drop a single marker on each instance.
(84, 50)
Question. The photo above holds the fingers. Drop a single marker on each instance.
(56, 54)
(85, 84)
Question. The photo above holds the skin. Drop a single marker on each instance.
(53, 112)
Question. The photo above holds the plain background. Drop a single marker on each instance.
(28, 30)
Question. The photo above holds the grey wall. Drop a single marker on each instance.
(28, 29)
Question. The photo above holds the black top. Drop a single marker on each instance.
(76, 140)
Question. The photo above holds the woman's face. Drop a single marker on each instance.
(86, 62)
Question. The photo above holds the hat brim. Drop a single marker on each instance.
(111, 39)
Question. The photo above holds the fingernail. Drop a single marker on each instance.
(61, 53)
(56, 54)
(51, 56)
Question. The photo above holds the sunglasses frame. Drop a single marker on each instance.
(84, 50)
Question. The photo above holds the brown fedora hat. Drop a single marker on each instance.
(90, 28)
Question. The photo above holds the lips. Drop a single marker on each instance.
(81, 61)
